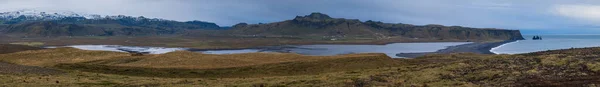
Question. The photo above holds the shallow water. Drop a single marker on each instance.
(549, 42)
(325, 50)
(230, 51)
(318, 50)
(118, 48)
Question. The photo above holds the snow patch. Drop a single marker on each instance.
(41, 15)
(30, 14)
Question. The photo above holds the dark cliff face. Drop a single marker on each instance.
(447, 32)
(318, 24)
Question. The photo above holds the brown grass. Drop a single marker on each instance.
(574, 67)
(263, 70)
(51, 57)
(179, 59)
(191, 60)
(188, 65)
(11, 48)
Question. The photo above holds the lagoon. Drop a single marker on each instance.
(315, 50)
(336, 49)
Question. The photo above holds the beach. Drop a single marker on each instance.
(476, 47)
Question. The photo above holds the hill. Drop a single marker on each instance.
(568, 67)
(189, 64)
(322, 25)
(316, 26)
(8, 68)
(10, 48)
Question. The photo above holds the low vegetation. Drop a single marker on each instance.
(10, 48)
(570, 67)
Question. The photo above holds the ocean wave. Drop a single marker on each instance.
(492, 50)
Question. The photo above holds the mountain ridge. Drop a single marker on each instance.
(319, 24)
(32, 23)
(315, 25)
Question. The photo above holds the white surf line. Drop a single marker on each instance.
(492, 50)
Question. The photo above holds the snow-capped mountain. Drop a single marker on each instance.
(41, 15)
(35, 15)
(40, 23)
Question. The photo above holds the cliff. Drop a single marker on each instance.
(318, 24)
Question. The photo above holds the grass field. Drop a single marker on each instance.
(572, 67)
(10, 48)
(106, 67)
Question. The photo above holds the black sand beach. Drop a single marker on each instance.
(477, 47)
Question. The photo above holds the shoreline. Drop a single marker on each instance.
(293, 46)
(491, 50)
(207, 43)
(476, 47)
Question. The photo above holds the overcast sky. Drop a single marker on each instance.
(530, 16)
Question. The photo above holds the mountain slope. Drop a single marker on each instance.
(313, 26)
(107, 28)
(31, 23)
(34, 15)
(318, 24)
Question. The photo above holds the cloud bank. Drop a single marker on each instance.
(580, 12)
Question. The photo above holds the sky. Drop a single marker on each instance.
(529, 16)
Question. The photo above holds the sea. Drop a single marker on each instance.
(548, 42)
